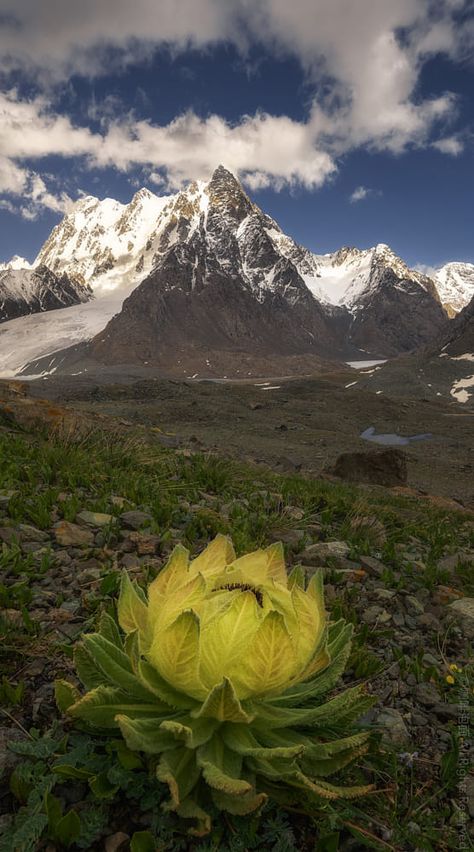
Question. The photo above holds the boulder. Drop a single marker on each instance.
(377, 467)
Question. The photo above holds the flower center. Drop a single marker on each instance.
(243, 587)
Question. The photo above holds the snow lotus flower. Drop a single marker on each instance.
(220, 673)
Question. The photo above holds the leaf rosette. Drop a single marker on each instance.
(220, 674)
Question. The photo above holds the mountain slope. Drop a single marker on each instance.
(191, 311)
(460, 337)
(29, 291)
(455, 285)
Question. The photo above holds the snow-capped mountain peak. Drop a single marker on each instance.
(455, 284)
(101, 241)
(16, 262)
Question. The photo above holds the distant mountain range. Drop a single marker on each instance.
(205, 281)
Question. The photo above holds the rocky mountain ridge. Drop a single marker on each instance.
(34, 290)
(338, 305)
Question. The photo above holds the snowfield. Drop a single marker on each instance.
(24, 339)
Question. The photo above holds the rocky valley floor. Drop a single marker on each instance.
(290, 425)
(76, 507)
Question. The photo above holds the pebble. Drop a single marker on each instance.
(71, 535)
(135, 519)
(28, 533)
(94, 519)
(463, 612)
(426, 694)
(413, 605)
(323, 550)
(394, 728)
(373, 565)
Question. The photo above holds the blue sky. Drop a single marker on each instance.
(350, 127)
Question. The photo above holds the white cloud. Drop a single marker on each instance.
(449, 145)
(365, 78)
(262, 149)
(359, 194)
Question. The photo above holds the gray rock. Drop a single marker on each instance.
(414, 607)
(135, 519)
(394, 729)
(463, 611)
(291, 537)
(419, 719)
(429, 622)
(71, 535)
(429, 660)
(447, 711)
(426, 694)
(375, 566)
(451, 562)
(9, 534)
(314, 553)
(94, 519)
(5, 497)
(373, 614)
(130, 560)
(28, 533)
(385, 594)
(33, 547)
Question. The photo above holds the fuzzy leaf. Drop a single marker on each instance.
(100, 706)
(145, 734)
(109, 630)
(238, 805)
(156, 684)
(132, 607)
(345, 707)
(177, 768)
(175, 653)
(239, 738)
(321, 768)
(174, 575)
(225, 639)
(65, 695)
(115, 665)
(222, 704)
(189, 809)
(89, 674)
(221, 768)
(270, 658)
(131, 646)
(214, 558)
(296, 577)
(276, 563)
(192, 732)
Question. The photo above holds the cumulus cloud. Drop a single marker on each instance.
(359, 194)
(449, 145)
(262, 149)
(363, 59)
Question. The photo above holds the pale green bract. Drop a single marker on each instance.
(220, 675)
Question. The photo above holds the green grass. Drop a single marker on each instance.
(191, 499)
